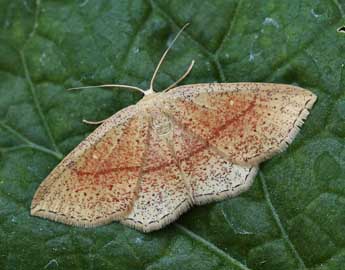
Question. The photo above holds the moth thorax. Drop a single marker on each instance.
(150, 97)
(161, 125)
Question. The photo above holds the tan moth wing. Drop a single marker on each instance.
(151, 162)
(214, 136)
(246, 122)
(98, 181)
(180, 170)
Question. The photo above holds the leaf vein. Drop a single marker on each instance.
(279, 223)
(230, 27)
(211, 247)
(37, 103)
(29, 144)
(206, 52)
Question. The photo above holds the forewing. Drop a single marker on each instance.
(98, 181)
(247, 122)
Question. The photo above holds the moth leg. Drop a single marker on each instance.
(95, 122)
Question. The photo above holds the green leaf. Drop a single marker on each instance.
(294, 215)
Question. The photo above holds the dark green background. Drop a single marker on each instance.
(294, 215)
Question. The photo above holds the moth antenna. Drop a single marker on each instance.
(109, 86)
(163, 57)
(181, 78)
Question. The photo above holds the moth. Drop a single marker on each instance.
(188, 145)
